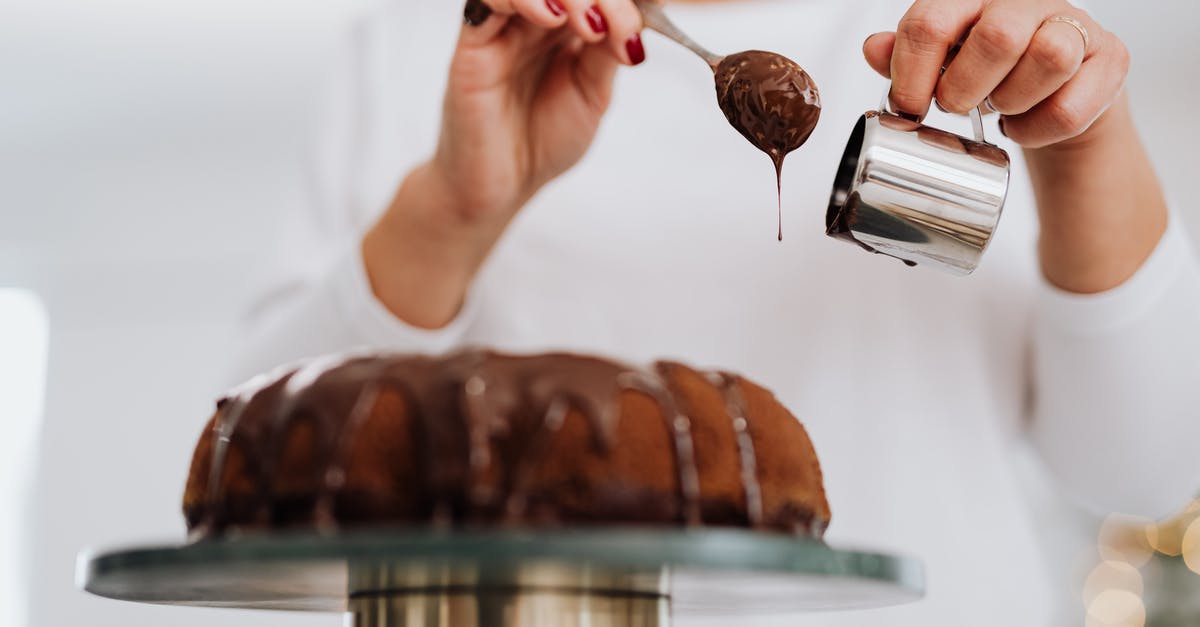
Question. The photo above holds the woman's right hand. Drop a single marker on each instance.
(528, 86)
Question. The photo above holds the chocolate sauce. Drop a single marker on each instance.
(747, 459)
(476, 413)
(772, 102)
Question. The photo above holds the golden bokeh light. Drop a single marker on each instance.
(1126, 539)
(1109, 576)
(1167, 536)
(1116, 608)
(1191, 546)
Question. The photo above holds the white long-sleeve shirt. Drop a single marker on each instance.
(916, 387)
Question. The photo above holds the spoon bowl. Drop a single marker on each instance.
(765, 96)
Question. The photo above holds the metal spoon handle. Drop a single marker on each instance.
(655, 18)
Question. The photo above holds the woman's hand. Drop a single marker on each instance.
(528, 85)
(1047, 67)
(1056, 77)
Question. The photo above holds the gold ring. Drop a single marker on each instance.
(1077, 25)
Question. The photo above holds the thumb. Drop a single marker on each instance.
(878, 51)
(596, 67)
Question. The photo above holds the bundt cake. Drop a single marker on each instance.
(480, 438)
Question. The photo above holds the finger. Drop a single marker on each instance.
(586, 20)
(582, 67)
(595, 67)
(544, 13)
(1054, 55)
(1085, 97)
(625, 26)
(923, 39)
(526, 44)
(481, 24)
(989, 53)
(485, 20)
(877, 49)
(531, 10)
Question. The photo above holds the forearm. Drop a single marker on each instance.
(1100, 205)
(422, 254)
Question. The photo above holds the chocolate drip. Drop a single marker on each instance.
(681, 429)
(475, 412)
(335, 477)
(235, 405)
(772, 102)
(736, 408)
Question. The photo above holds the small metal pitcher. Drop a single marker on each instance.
(917, 193)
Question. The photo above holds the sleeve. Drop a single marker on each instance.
(312, 295)
(1117, 385)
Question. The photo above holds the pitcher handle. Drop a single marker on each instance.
(976, 115)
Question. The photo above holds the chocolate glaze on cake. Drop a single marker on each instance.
(485, 438)
(771, 101)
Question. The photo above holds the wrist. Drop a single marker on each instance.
(421, 255)
(1100, 206)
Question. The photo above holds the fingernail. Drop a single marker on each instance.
(633, 47)
(596, 20)
(939, 106)
(907, 116)
(555, 7)
(1001, 123)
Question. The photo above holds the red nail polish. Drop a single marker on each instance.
(596, 20)
(633, 47)
(555, 7)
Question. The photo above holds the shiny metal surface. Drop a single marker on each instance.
(918, 193)
(413, 573)
(498, 608)
(656, 19)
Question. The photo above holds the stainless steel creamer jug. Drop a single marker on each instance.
(918, 193)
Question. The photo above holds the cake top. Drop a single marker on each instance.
(473, 395)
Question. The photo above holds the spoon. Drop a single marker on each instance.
(766, 97)
(654, 17)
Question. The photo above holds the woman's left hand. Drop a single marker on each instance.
(1047, 67)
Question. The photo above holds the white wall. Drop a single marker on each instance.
(146, 149)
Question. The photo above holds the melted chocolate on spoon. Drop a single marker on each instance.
(772, 102)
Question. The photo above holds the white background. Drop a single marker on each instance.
(146, 150)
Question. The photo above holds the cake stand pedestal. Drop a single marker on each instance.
(502, 578)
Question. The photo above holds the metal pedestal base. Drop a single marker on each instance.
(500, 608)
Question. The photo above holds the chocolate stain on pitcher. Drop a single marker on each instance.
(772, 102)
(840, 223)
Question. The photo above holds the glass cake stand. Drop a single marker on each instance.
(562, 578)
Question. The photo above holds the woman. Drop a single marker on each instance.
(514, 223)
